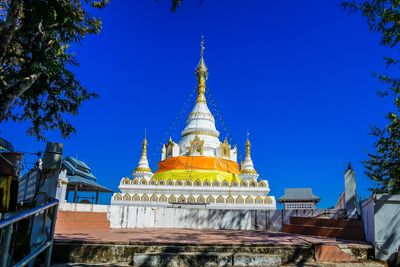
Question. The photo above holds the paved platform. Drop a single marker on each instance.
(191, 247)
(197, 237)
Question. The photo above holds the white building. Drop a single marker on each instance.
(199, 169)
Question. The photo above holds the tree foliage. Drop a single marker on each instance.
(36, 83)
(383, 165)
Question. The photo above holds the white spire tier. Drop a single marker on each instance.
(200, 125)
(143, 168)
(247, 169)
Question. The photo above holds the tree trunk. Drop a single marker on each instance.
(5, 103)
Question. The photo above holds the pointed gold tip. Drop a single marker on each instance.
(202, 75)
(144, 148)
(248, 146)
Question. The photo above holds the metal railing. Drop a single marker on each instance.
(7, 226)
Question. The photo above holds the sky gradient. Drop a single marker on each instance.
(295, 74)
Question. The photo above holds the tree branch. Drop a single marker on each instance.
(8, 96)
(10, 24)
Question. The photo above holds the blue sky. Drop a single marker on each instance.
(296, 74)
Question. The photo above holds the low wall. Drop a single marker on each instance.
(156, 217)
(197, 217)
(74, 216)
(64, 206)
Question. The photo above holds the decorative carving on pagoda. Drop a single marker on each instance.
(196, 146)
(225, 149)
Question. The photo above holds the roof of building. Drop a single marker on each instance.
(6, 145)
(80, 173)
(298, 194)
(86, 184)
(77, 167)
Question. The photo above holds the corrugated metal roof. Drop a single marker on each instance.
(79, 168)
(296, 194)
(90, 183)
(80, 173)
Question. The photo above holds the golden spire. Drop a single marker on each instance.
(248, 146)
(144, 147)
(202, 75)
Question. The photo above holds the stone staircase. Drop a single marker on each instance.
(72, 220)
(342, 229)
(194, 259)
(155, 255)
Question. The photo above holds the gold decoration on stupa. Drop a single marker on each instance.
(202, 75)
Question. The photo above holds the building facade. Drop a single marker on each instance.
(199, 169)
(76, 177)
(299, 198)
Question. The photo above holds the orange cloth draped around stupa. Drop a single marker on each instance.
(198, 163)
(197, 168)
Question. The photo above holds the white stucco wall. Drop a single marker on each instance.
(201, 218)
(66, 206)
(148, 217)
(381, 216)
(195, 217)
(387, 225)
(368, 214)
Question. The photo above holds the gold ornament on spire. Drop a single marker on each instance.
(248, 146)
(144, 148)
(202, 75)
(225, 149)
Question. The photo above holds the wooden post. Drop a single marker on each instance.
(76, 194)
(97, 196)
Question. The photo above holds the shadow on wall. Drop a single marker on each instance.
(194, 218)
(387, 228)
(270, 220)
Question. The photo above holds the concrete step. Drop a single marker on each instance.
(70, 220)
(326, 222)
(113, 253)
(203, 259)
(343, 233)
(334, 253)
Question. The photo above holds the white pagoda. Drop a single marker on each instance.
(199, 170)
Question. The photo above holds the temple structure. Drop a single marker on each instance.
(199, 169)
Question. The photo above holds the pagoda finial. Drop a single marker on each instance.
(248, 166)
(143, 165)
(201, 74)
(248, 145)
(202, 46)
(144, 146)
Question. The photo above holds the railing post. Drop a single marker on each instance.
(51, 236)
(5, 245)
